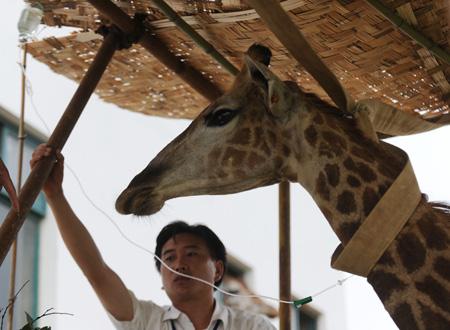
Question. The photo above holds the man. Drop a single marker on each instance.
(6, 182)
(191, 250)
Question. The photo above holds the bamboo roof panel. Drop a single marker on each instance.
(370, 56)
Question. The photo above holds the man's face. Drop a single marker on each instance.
(188, 254)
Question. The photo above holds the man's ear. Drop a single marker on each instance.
(219, 270)
(280, 97)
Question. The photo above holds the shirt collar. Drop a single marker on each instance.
(220, 313)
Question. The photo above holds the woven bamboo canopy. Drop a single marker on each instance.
(369, 54)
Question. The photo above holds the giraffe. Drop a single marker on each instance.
(264, 131)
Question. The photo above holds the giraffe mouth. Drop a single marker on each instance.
(139, 201)
(142, 201)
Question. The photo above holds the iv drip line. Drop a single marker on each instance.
(296, 303)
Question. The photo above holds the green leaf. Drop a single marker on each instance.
(27, 327)
(29, 318)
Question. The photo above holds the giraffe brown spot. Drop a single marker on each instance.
(321, 187)
(278, 162)
(437, 293)
(346, 202)
(363, 170)
(214, 154)
(287, 133)
(368, 152)
(266, 149)
(333, 174)
(411, 251)
(311, 135)
(442, 267)
(325, 150)
(318, 119)
(350, 165)
(361, 153)
(370, 199)
(254, 159)
(236, 156)
(386, 259)
(219, 174)
(331, 122)
(433, 320)
(435, 237)
(286, 150)
(346, 231)
(353, 181)
(258, 134)
(238, 173)
(337, 142)
(242, 137)
(385, 284)
(382, 189)
(366, 173)
(272, 137)
(404, 318)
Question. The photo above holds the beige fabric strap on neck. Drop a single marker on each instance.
(381, 227)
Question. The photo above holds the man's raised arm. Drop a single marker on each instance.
(106, 283)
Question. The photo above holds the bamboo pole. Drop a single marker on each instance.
(21, 138)
(197, 38)
(158, 49)
(285, 254)
(28, 194)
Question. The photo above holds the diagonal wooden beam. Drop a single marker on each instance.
(29, 192)
(158, 49)
(281, 25)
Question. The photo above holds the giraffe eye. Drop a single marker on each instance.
(221, 117)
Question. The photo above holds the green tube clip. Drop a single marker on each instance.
(301, 302)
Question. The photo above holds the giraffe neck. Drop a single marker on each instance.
(345, 172)
(347, 175)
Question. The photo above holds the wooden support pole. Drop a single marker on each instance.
(29, 192)
(158, 49)
(21, 138)
(285, 255)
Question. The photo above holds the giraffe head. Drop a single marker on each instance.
(235, 144)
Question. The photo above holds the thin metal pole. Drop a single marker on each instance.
(285, 254)
(28, 194)
(21, 138)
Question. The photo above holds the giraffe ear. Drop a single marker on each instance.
(279, 97)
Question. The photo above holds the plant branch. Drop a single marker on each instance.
(11, 303)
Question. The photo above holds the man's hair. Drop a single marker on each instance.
(215, 246)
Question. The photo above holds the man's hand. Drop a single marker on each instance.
(53, 185)
(5, 182)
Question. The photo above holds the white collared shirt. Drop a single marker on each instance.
(149, 316)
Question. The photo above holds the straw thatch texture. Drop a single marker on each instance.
(370, 55)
